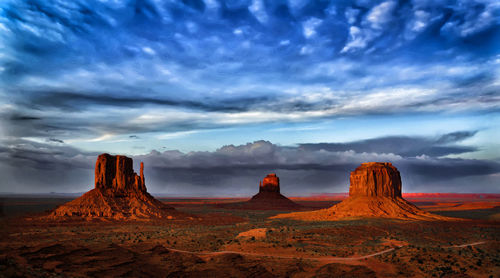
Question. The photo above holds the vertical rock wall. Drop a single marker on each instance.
(375, 179)
(271, 183)
(117, 173)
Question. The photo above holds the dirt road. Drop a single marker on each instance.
(468, 244)
(322, 259)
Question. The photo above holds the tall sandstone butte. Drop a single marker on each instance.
(116, 173)
(271, 183)
(119, 193)
(375, 191)
(269, 196)
(375, 179)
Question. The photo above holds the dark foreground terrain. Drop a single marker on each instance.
(219, 241)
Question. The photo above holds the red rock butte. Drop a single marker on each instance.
(269, 196)
(375, 179)
(271, 183)
(116, 173)
(119, 193)
(375, 191)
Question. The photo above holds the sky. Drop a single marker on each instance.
(213, 95)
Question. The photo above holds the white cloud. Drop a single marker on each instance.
(212, 4)
(420, 22)
(148, 50)
(484, 20)
(104, 137)
(309, 27)
(358, 39)
(306, 50)
(351, 15)
(380, 15)
(258, 10)
(296, 5)
(423, 157)
(4, 28)
(382, 100)
(192, 27)
(172, 135)
(473, 22)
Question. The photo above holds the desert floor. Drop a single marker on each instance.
(215, 240)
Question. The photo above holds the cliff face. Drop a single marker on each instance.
(375, 191)
(116, 173)
(269, 196)
(119, 193)
(375, 179)
(271, 183)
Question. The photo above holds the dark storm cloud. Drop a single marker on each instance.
(30, 167)
(78, 101)
(443, 169)
(304, 170)
(55, 140)
(455, 137)
(402, 145)
(23, 118)
(53, 155)
(235, 170)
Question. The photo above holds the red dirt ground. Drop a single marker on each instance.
(221, 242)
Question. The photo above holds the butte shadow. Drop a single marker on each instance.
(268, 198)
(374, 192)
(119, 194)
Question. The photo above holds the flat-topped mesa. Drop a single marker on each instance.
(269, 196)
(116, 173)
(271, 183)
(119, 193)
(375, 191)
(375, 179)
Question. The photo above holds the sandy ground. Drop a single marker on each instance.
(222, 242)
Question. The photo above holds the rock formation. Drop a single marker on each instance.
(116, 173)
(119, 193)
(375, 191)
(271, 183)
(375, 179)
(269, 196)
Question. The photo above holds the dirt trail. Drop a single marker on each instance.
(322, 259)
(468, 244)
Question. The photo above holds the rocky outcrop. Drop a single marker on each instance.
(119, 193)
(375, 179)
(271, 183)
(269, 196)
(375, 191)
(116, 173)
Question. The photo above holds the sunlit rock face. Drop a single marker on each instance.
(271, 183)
(374, 192)
(269, 196)
(117, 173)
(119, 193)
(375, 179)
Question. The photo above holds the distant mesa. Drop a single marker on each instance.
(375, 191)
(119, 193)
(269, 196)
(271, 183)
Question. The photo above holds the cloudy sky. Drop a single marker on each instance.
(212, 95)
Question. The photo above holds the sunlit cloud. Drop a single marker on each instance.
(86, 77)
